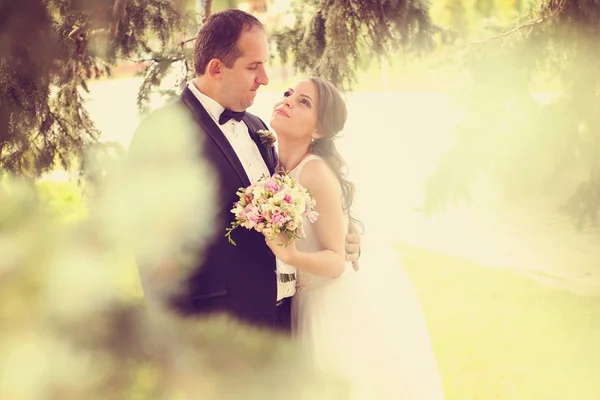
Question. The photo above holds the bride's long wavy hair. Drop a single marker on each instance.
(331, 118)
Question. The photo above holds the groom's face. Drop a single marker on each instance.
(240, 82)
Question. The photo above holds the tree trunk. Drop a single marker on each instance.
(4, 121)
(207, 8)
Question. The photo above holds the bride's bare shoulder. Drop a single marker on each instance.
(318, 176)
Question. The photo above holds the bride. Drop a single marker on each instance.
(365, 326)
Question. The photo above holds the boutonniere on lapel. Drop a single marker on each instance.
(267, 138)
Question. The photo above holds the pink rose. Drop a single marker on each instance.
(278, 220)
(287, 198)
(312, 216)
(271, 185)
(252, 214)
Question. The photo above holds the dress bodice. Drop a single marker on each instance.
(304, 280)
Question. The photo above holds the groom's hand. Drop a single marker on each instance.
(353, 249)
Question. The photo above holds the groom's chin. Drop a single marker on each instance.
(251, 97)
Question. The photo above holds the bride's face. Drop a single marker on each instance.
(297, 113)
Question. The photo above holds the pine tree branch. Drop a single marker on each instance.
(186, 41)
(461, 50)
(158, 59)
(531, 23)
(59, 121)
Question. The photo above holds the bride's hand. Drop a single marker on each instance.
(284, 248)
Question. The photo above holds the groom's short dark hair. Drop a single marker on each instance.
(218, 38)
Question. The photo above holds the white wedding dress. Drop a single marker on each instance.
(365, 327)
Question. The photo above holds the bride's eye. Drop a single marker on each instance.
(287, 93)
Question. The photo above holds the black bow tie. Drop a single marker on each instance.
(226, 115)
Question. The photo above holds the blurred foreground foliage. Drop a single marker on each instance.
(531, 100)
(69, 331)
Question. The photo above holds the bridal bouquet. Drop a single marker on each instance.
(273, 205)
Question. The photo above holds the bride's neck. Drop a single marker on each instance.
(291, 154)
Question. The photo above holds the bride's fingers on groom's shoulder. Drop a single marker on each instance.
(352, 238)
(356, 265)
(352, 257)
(352, 249)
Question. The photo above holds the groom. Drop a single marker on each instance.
(229, 60)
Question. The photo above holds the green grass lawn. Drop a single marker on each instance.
(499, 335)
(496, 334)
(62, 199)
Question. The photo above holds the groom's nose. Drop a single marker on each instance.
(261, 76)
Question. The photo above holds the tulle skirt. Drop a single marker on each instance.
(368, 328)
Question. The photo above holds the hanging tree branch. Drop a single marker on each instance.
(530, 23)
(69, 43)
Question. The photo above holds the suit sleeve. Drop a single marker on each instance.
(162, 195)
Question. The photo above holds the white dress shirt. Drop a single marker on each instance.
(248, 153)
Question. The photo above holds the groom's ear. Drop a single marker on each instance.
(214, 68)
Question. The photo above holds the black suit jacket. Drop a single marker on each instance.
(239, 280)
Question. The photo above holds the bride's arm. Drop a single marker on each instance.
(329, 229)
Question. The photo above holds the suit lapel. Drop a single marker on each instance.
(266, 152)
(215, 133)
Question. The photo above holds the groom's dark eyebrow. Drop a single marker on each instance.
(257, 63)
